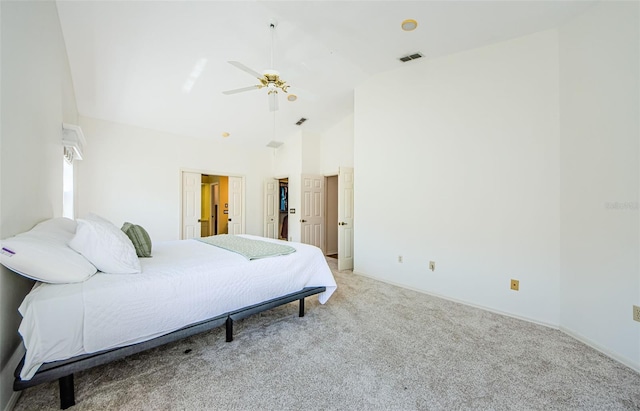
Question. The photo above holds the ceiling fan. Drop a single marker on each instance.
(269, 78)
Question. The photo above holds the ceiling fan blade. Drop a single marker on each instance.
(273, 101)
(240, 90)
(246, 69)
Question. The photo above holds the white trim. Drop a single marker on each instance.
(623, 360)
(7, 377)
(548, 325)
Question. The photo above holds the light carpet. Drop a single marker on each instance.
(373, 346)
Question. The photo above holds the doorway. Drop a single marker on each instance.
(331, 226)
(211, 204)
(339, 217)
(215, 205)
(283, 209)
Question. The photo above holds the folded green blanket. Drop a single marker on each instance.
(250, 249)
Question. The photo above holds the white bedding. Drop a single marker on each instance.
(184, 282)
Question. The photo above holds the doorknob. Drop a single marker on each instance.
(229, 220)
(199, 220)
(303, 221)
(342, 223)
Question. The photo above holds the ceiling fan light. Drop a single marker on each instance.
(409, 25)
(292, 97)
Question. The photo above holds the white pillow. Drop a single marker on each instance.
(42, 254)
(105, 246)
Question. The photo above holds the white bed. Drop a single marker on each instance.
(184, 282)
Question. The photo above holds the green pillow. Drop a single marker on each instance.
(139, 237)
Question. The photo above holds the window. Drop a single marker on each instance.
(67, 184)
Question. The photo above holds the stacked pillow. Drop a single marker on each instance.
(42, 253)
(106, 246)
(61, 250)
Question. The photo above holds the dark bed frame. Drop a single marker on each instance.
(63, 370)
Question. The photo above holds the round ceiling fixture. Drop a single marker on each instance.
(225, 134)
(292, 97)
(409, 25)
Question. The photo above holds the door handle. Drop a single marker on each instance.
(303, 221)
(199, 220)
(342, 223)
(229, 220)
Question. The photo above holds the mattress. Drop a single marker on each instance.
(185, 281)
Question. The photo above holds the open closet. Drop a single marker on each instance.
(283, 207)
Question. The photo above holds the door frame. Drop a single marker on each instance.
(326, 212)
(213, 173)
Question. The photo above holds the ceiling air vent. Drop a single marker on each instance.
(275, 144)
(302, 120)
(410, 57)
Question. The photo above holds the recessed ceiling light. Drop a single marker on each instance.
(409, 25)
(292, 97)
(225, 134)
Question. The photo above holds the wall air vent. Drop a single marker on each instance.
(302, 120)
(275, 144)
(410, 57)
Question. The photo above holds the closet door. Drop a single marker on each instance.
(236, 205)
(312, 212)
(191, 204)
(271, 202)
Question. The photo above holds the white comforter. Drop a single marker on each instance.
(184, 282)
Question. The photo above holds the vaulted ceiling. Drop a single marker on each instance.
(163, 65)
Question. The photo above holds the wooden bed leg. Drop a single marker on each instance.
(67, 395)
(301, 313)
(229, 329)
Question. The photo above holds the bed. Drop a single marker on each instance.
(185, 288)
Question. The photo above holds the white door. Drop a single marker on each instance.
(271, 214)
(312, 212)
(236, 206)
(191, 204)
(345, 218)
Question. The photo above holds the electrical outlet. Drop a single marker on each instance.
(636, 313)
(515, 285)
(432, 265)
(399, 258)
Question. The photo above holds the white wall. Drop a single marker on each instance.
(133, 174)
(456, 161)
(337, 147)
(311, 153)
(600, 112)
(37, 97)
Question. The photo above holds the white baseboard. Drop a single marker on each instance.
(6, 379)
(625, 361)
(444, 297)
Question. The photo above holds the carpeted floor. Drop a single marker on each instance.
(373, 346)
